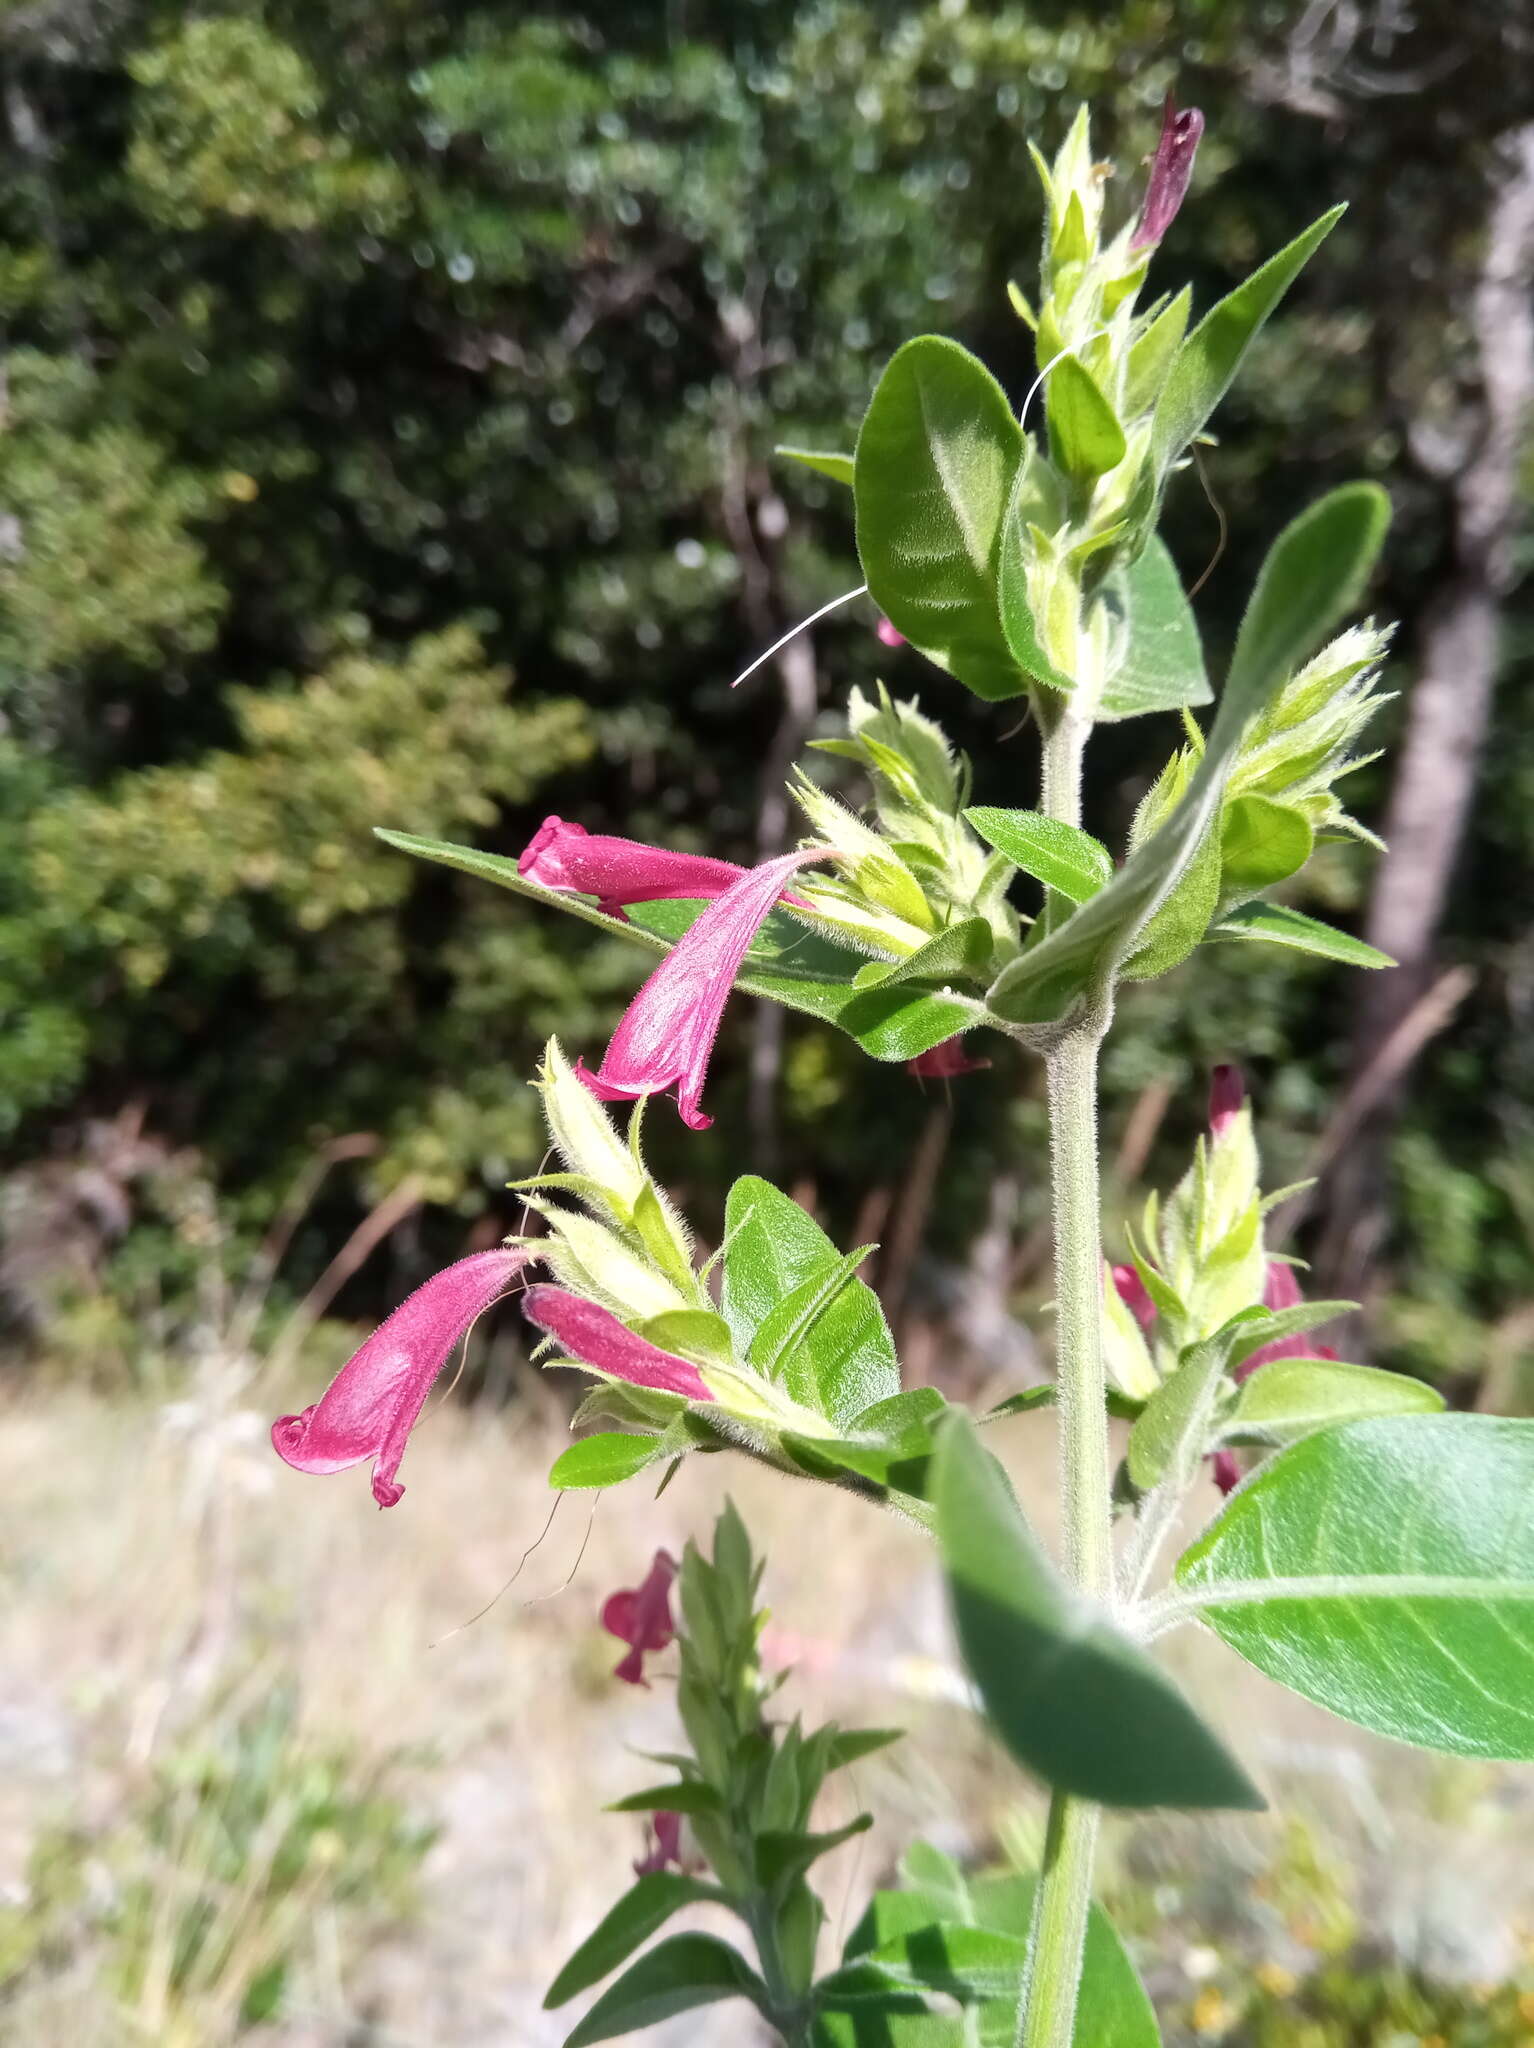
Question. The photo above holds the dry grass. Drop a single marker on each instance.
(147, 1555)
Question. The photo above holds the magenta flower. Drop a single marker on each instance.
(1171, 169)
(945, 1062)
(667, 1033)
(619, 871)
(375, 1400)
(1134, 1295)
(665, 1837)
(1227, 1092)
(641, 1617)
(889, 635)
(593, 1335)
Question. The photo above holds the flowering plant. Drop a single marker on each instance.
(1372, 1553)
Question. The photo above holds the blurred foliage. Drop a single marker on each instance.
(364, 358)
(245, 1851)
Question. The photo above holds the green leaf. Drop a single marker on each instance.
(1257, 1328)
(1206, 364)
(837, 467)
(606, 1459)
(910, 1939)
(772, 1250)
(1182, 918)
(1293, 1397)
(1385, 1570)
(677, 1975)
(1313, 572)
(783, 1855)
(1058, 855)
(891, 1443)
(1019, 626)
(962, 948)
(936, 456)
(1262, 842)
(687, 1795)
(1022, 1403)
(1155, 660)
(1060, 1683)
(1152, 354)
(851, 1745)
(1084, 432)
(643, 1907)
(1178, 1411)
(1281, 926)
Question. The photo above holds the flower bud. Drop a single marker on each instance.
(1126, 1355)
(584, 1135)
(1171, 171)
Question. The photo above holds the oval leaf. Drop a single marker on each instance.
(606, 1459)
(1084, 432)
(1386, 1571)
(932, 479)
(1293, 1397)
(1060, 1683)
(1058, 855)
(1262, 842)
(1155, 659)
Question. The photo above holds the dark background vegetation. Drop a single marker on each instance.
(390, 396)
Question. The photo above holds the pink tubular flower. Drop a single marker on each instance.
(593, 1335)
(1133, 1293)
(945, 1062)
(665, 1845)
(889, 635)
(375, 1400)
(667, 1033)
(1227, 1092)
(641, 1617)
(1171, 169)
(620, 871)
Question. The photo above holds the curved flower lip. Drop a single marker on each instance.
(375, 1400)
(561, 855)
(595, 1337)
(1171, 171)
(666, 1035)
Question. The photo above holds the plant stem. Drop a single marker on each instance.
(1048, 2014)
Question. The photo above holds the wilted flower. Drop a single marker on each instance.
(945, 1062)
(595, 1337)
(1171, 170)
(641, 1617)
(375, 1400)
(667, 1033)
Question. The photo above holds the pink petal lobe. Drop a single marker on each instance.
(666, 1035)
(641, 1617)
(889, 635)
(596, 1338)
(375, 1400)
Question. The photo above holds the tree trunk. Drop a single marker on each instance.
(1447, 716)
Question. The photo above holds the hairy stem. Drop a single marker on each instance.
(1047, 2017)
